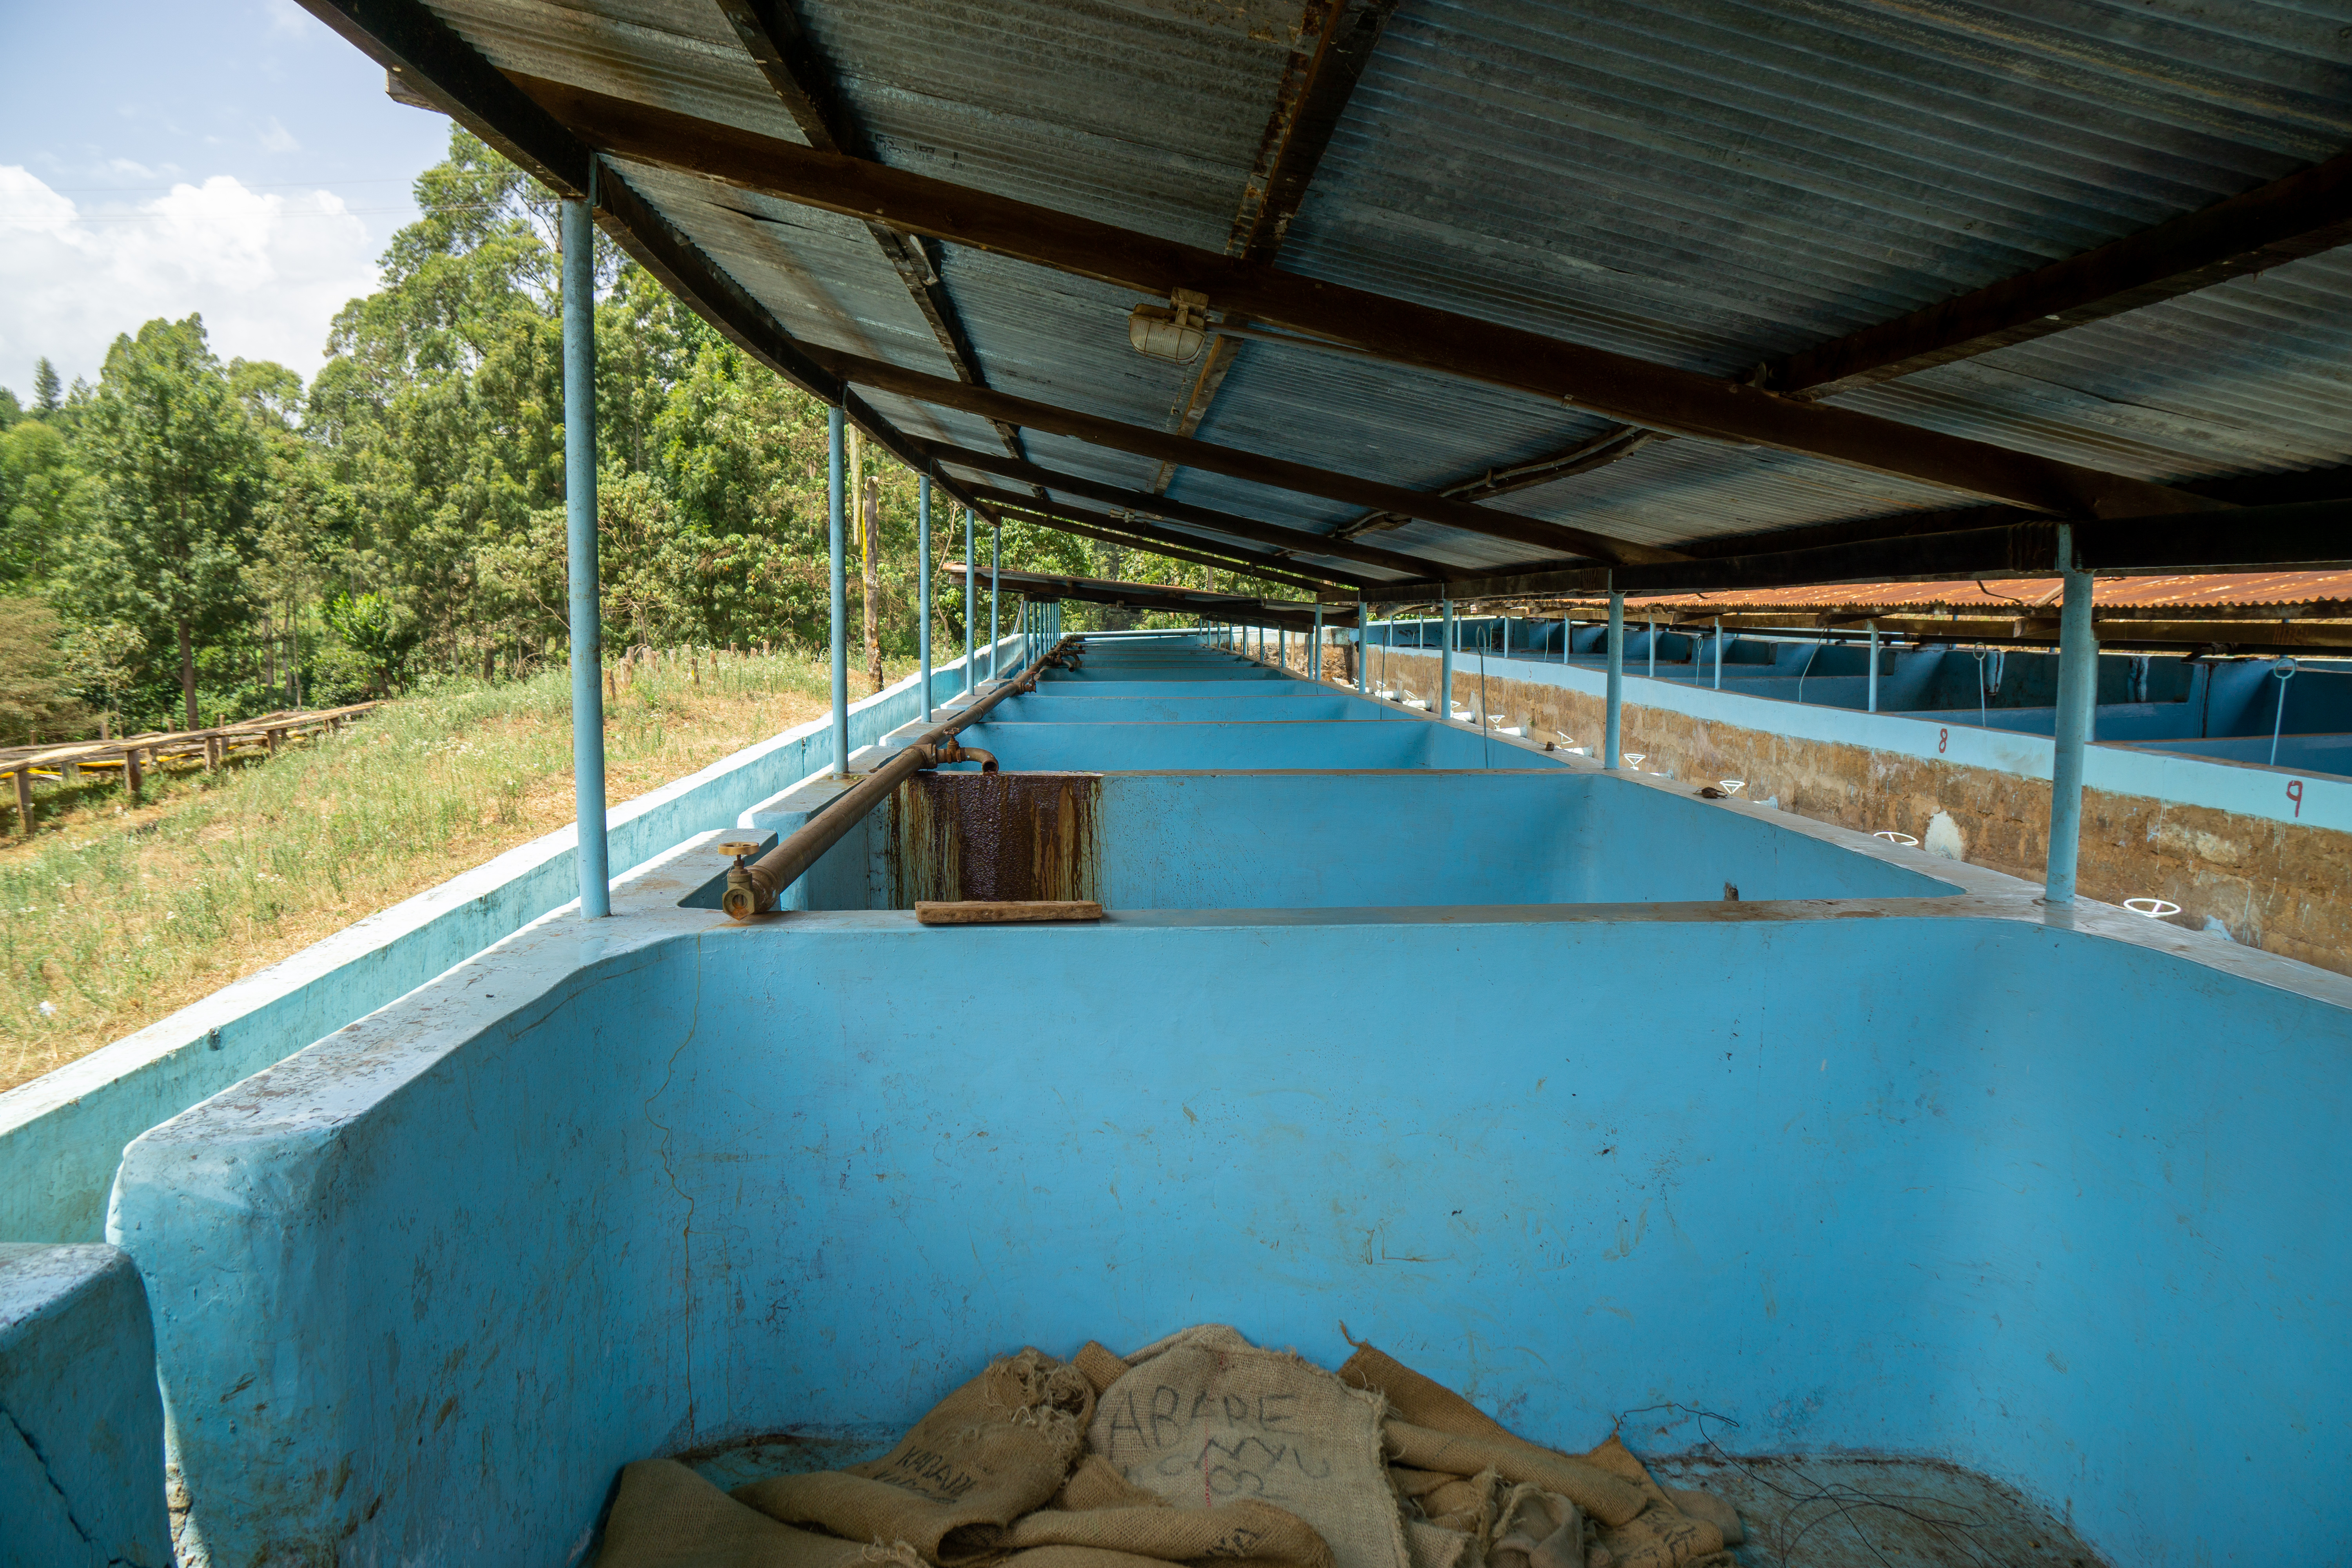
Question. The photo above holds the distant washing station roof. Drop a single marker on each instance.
(1713, 297)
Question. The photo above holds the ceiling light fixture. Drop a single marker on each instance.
(1173, 332)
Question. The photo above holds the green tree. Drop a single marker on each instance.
(440, 409)
(168, 526)
(34, 703)
(35, 482)
(47, 393)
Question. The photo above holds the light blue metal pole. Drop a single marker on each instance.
(971, 591)
(1718, 653)
(1363, 679)
(1874, 666)
(995, 591)
(1612, 732)
(923, 585)
(2078, 679)
(1282, 649)
(1653, 647)
(1445, 662)
(580, 540)
(1315, 655)
(835, 499)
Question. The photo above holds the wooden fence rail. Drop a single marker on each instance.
(133, 755)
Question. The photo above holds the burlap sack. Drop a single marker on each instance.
(1097, 1483)
(1101, 1366)
(1434, 1546)
(1077, 1557)
(1238, 1532)
(1606, 1496)
(667, 1517)
(1420, 1400)
(1537, 1529)
(1715, 1511)
(1661, 1535)
(996, 1448)
(1205, 1417)
(1482, 1442)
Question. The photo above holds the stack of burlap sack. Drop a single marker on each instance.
(1202, 1449)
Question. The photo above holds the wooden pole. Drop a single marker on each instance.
(25, 800)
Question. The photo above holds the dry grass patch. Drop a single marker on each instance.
(115, 915)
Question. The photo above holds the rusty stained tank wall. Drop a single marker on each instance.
(995, 836)
(2281, 886)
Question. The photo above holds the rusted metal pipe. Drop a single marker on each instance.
(768, 877)
(948, 751)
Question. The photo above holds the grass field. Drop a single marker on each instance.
(116, 915)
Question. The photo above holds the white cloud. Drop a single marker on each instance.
(288, 18)
(266, 271)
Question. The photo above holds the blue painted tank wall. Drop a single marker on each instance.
(1339, 840)
(1326, 840)
(1303, 701)
(2210, 699)
(2056, 1207)
(1056, 747)
(81, 1428)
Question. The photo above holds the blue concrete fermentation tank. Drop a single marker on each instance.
(1573, 1090)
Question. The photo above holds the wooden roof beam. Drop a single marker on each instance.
(805, 80)
(2303, 215)
(2309, 536)
(1225, 523)
(1274, 473)
(1313, 94)
(1158, 595)
(433, 64)
(1616, 385)
(1143, 536)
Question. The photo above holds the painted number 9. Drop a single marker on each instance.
(1943, 739)
(2294, 793)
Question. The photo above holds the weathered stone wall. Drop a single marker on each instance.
(2274, 885)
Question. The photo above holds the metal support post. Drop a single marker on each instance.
(996, 592)
(1445, 704)
(1315, 655)
(1653, 647)
(1873, 667)
(1718, 653)
(835, 500)
(923, 586)
(580, 538)
(2078, 678)
(971, 629)
(1612, 732)
(1282, 649)
(1363, 664)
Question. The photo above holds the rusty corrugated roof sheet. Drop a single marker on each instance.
(2303, 590)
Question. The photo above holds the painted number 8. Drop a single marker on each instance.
(1943, 739)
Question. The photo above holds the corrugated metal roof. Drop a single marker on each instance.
(2032, 596)
(1705, 184)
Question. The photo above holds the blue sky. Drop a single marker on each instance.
(236, 159)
